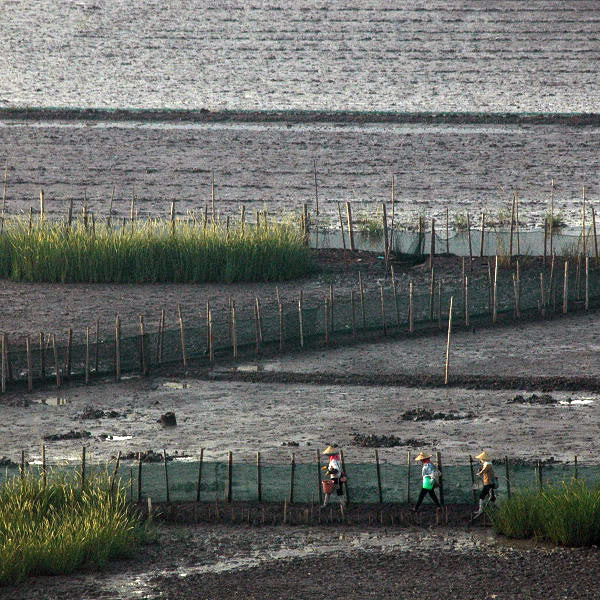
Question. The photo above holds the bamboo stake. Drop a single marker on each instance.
(447, 233)
(350, 229)
(292, 474)
(431, 293)
(362, 299)
(4, 196)
(495, 293)
(41, 205)
(595, 236)
(229, 476)
(199, 485)
(583, 237)
(87, 355)
(470, 244)
(139, 478)
(161, 337)
(542, 296)
(56, 364)
(143, 366)
(432, 244)
(68, 360)
(114, 474)
(326, 326)
(552, 284)
(342, 227)
(353, 310)
(482, 234)
(552, 217)
(587, 283)
(331, 306)
(97, 348)
(259, 320)
(386, 239)
(448, 341)
(258, 478)
(545, 240)
(281, 325)
(411, 315)
(512, 226)
(42, 357)
(378, 477)
(319, 487)
(466, 301)
(234, 330)
(44, 470)
(29, 372)
(182, 337)
(166, 476)
(82, 468)
(506, 465)
(118, 348)
(211, 339)
(395, 291)
(408, 463)
(440, 285)
(438, 460)
(565, 305)
(383, 322)
(300, 320)
(517, 224)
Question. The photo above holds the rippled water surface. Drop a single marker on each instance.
(465, 55)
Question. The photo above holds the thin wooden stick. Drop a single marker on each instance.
(470, 244)
(139, 478)
(447, 232)
(118, 348)
(495, 293)
(182, 336)
(362, 299)
(587, 283)
(380, 491)
(258, 478)
(448, 341)
(542, 296)
(326, 325)
(350, 229)
(97, 347)
(411, 314)
(114, 474)
(466, 301)
(595, 236)
(29, 372)
(432, 244)
(353, 310)
(512, 226)
(87, 355)
(229, 477)
(301, 320)
(482, 234)
(395, 290)
(552, 218)
(292, 476)
(166, 476)
(44, 470)
(82, 468)
(68, 360)
(281, 326)
(233, 330)
(342, 227)
(211, 339)
(565, 305)
(143, 365)
(383, 322)
(408, 469)
(42, 357)
(56, 363)
(319, 487)
(4, 196)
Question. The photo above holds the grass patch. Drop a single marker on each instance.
(152, 251)
(566, 514)
(56, 528)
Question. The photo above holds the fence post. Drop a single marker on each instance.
(229, 475)
(200, 475)
(448, 341)
(319, 486)
(378, 477)
(350, 229)
(438, 459)
(344, 471)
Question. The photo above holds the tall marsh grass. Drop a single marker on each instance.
(566, 514)
(56, 528)
(151, 251)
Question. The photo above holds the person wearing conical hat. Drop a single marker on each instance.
(334, 470)
(428, 474)
(489, 480)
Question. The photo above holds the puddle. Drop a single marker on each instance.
(53, 401)
(175, 385)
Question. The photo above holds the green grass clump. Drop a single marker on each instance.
(151, 251)
(566, 514)
(56, 528)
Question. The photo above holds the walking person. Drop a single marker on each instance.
(336, 474)
(428, 473)
(489, 481)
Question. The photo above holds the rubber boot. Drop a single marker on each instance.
(480, 509)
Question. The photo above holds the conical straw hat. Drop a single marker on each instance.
(422, 456)
(330, 450)
(483, 456)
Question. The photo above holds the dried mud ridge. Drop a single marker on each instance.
(295, 116)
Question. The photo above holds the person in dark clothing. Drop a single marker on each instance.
(428, 474)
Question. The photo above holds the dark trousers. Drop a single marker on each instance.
(422, 495)
(487, 489)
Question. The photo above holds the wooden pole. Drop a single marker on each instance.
(350, 229)
(470, 243)
(300, 320)
(586, 303)
(342, 226)
(595, 236)
(438, 456)
(408, 464)
(316, 188)
(97, 348)
(473, 490)
(495, 293)
(362, 300)
(345, 485)
(292, 475)
(87, 355)
(517, 223)
(281, 326)
(551, 217)
(482, 234)
(353, 310)
(161, 337)
(386, 238)
(447, 233)
(378, 477)
(383, 322)
(565, 306)
(118, 348)
(466, 301)
(319, 487)
(41, 205)
(56, 363)
(229, 476)
(516, 292)
(258, 478)
(139, 478)
(331, 309)
(432, 244)
(448, 341)
(29, 369)
(199, 485)
(3, 363)
(542, 296)
(395, 291)
(234, 330)
(143, 364)
(259, 320)
(82, 468)
(166, 476)
(68, 360)
(326, 326)
(512, 227)
(411, 315)
(42, 357)
(44, 470)
(4, 196)
(545, 240)
(182, 338)
(211, 339)
(431, 293)
(440, 285)
(507, 467)
(583, 237)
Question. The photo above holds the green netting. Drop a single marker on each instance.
(539, 293)
(276, 481)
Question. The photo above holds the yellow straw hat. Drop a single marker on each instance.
(330, 450)
(483, 456)
(422, 456)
